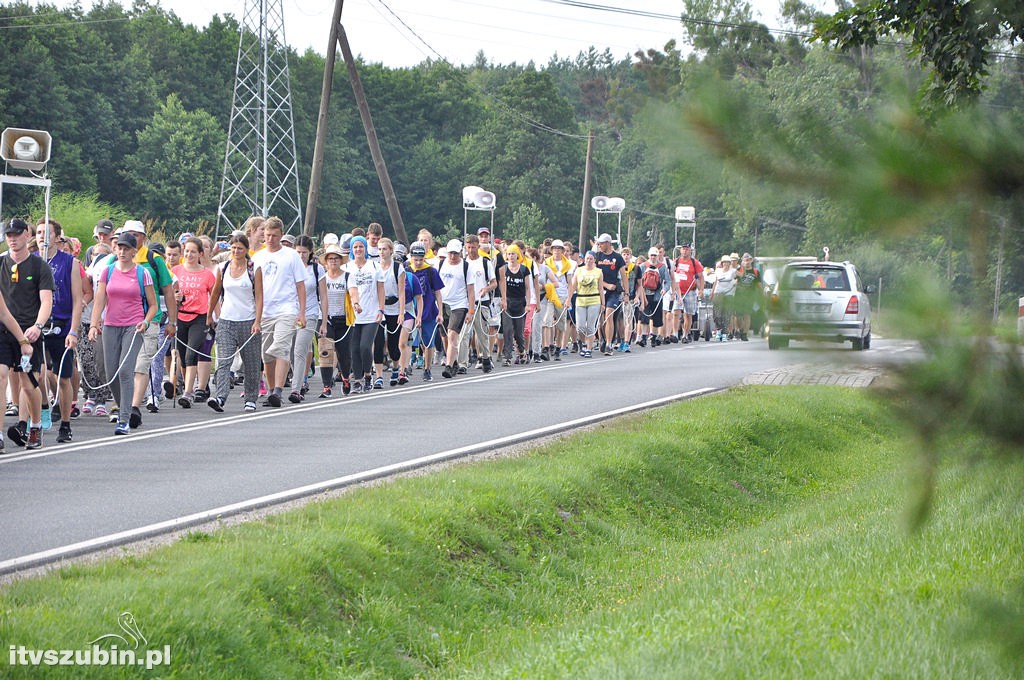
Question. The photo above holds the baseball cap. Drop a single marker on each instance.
(604, 238)
(288, 238)
(454, 246)
(652, 252)
(557, 244)
(483, 230)
(417, 249)
(134, 227)
(345, 243)
(104, 226)
(331, 239)
(16, 226)
(127, 239)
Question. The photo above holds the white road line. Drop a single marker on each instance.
(290, 410)
(122, 537)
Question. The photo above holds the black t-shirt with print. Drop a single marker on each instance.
(20, 284)
(611, 265)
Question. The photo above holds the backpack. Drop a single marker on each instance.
(142, 283)
(651, 279)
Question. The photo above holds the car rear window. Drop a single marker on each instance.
(816, 278)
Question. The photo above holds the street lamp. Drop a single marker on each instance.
(475, 198)
(605, 204)
(27, 150)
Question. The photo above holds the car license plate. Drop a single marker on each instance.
(813, 308)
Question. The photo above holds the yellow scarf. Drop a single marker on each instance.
(564, 265)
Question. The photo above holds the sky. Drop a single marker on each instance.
(400, 33)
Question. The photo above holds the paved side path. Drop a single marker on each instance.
(846, 376)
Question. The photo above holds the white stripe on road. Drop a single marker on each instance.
(122, 537)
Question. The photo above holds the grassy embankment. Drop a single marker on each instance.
(752, 534)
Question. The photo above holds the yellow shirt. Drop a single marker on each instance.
(588, 287)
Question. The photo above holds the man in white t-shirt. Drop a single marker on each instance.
(459, 298)
(481, 272)
(284, 305)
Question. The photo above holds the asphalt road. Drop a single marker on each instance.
(184, 467)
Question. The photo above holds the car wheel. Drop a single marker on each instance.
(858, 344)
(867, 341)
(777, 343)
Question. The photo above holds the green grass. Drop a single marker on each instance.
(752, 534)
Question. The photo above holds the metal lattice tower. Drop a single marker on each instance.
(260, 164)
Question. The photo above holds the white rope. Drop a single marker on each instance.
(110, 382)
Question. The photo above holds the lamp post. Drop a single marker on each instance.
(475, 198)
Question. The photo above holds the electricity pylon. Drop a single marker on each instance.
(260, 164)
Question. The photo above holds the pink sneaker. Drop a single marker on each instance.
(88, 407)
(101, 410)
(263, 388)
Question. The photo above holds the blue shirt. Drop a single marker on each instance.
(64, 265)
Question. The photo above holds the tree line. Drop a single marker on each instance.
(138, 104)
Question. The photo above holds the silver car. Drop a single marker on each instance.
(824, 301)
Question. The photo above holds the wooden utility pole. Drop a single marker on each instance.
(585, 212)
(313, 195)
(340, 39)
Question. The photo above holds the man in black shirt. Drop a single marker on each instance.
(26, 283)
(616, 281)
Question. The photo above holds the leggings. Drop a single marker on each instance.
(362, 348)
(390, 343)
(587, 319)
(191, 335)
(120, 350)
(90, 355)
(303, 343)
(513, 325)
(337, 332)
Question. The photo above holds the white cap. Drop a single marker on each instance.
(604, 238)
(330, 239)
(134, 226)
(653, 251)
(455, 245)
(557, 244)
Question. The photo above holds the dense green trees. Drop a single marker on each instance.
(138, 105)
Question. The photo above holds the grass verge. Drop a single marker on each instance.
(750, 534)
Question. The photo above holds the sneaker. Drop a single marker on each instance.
(447, 372)
(12, 409)
(45, 422)
(564, 351)
(55, 414)
(325, 394)
(545, 356)
(642, 341)
(378, 384)
(305, 387)
(75, 411)
(249, 407)
(2, 444)
(153, 404)
(100, 410)
(185, 400)
(201, 395)
(295, 397)
(537, 359)
(394, 378)
(273, 400)
(427, 377)
(64, 433)
(419, 361)
(122, 428)
(114, 414)
(607, 351)
(263, 388)
(216, 404)
(556, 355)
(625, 348)
(87, 409)
(135, 418)
(507, 362)
(460, 370)
(403, 379)
(168, 389)
(17, 435)
(357, 388)
(35, 438)
(367, 384)
(488, 365)
(346, 386)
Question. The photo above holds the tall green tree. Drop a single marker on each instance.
(175, 173)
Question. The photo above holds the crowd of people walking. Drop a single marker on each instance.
(128, 325)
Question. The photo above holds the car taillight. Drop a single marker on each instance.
(853, 306)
